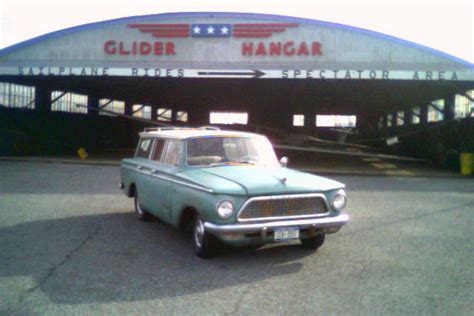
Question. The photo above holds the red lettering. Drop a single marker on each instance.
(260, 49)
(158, 48)
(302, 50)
(288, 48)
(134, 48)
(247, 49)
(170, 48)
(145, 48)
(316, 48)
(275, 49)
(122, 50)
(110, 48)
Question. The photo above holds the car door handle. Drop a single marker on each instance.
(153, 171)
(140, 168)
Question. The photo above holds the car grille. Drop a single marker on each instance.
(262, 208)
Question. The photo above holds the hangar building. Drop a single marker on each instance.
(263, 71)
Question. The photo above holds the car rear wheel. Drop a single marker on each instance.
(313, 242)
(139, 211)
(204, 243)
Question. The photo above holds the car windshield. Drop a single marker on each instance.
(255, 150)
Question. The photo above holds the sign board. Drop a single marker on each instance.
(343, 74)
(227, 45)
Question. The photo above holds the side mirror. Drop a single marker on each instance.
(284, 161)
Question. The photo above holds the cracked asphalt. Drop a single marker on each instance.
(70, 244)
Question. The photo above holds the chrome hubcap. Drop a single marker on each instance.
(199, 233)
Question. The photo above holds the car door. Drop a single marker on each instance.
(141, 168)
(146, 167)
(162, 176)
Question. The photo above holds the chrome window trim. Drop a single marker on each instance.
(147, 171)
(282, 197)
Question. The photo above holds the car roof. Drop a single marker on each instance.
(186, 133)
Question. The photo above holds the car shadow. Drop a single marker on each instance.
(114, 258)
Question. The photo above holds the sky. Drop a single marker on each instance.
(445, 25)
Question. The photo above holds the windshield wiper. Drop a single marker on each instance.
(235, 162)
(249, 162)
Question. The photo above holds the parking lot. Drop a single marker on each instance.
(70, 244)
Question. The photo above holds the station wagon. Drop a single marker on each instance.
(229, 187)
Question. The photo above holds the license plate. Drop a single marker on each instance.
(286, 233)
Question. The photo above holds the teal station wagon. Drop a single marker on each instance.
(228, 186)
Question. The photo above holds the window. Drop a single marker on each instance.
(255, 150)
(143, 111)
(400, 118)
(462, 105)
(336, 120)
(17, 96)
(159, 146)
(144, 148)
(389, 120)
(164, 115)
(182, 116)
(111, 105)
(228, 118)
(380, 122)
(68, 102)
(205, 147)
(298, 120)
(172, 153)
(435, 111)
(415, 119)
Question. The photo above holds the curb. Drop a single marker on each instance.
(312, 171)
(61, 161)
(374, 174)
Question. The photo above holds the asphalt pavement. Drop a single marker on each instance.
(70, 244)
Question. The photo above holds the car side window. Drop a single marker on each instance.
(159, 146)
(144, 148)
(173, 150)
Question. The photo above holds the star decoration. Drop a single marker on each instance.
(224, 30)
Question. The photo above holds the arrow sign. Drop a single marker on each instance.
(236, 74)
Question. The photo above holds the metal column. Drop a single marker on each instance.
(128, 108)
(449, 107)
(42, 99)
(423, 114)
(93, 106)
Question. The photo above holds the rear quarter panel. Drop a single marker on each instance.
(127, 175)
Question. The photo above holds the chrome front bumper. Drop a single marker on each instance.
(313, 223)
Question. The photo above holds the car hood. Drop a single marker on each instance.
(255, 180)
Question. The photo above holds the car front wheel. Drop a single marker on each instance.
(313, 242)
(204, 243)
(139, 211)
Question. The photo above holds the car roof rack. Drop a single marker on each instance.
(171, 128)
(210, 128)
(159, 129)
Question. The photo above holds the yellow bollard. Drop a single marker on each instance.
(467, 163)
(82, 153)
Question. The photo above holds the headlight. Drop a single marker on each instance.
(225, 209)
(340, 200)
